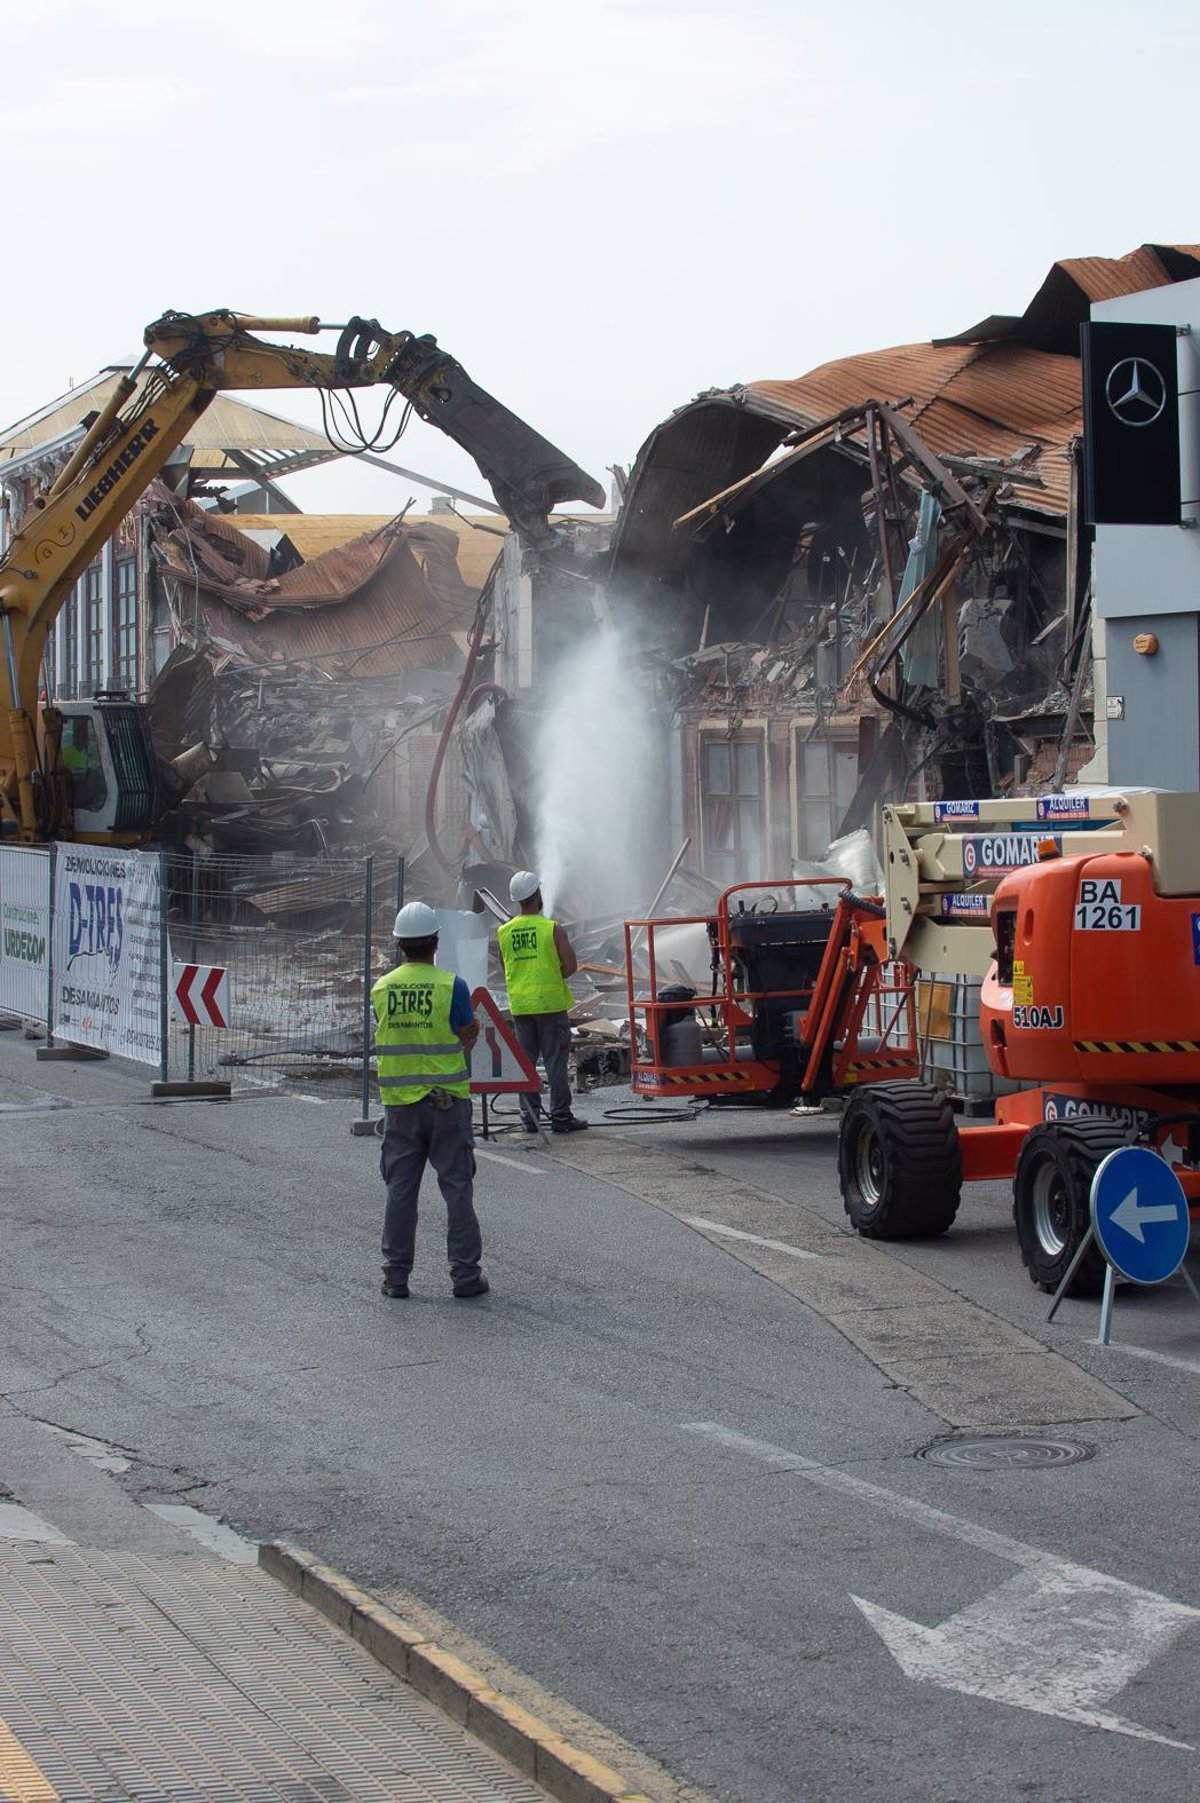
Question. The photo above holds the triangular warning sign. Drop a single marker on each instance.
(498, 1065)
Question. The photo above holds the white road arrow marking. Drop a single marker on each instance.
(1058, 1639)
(1132, 1216)
(1056, 1645)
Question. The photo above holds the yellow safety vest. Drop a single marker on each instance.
(532, 970)
(416, 1048)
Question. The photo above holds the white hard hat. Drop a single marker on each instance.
(523, 885)
(416, 920)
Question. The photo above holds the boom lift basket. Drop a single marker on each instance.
(804, 1001)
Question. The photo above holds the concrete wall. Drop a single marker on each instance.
(1156, 743)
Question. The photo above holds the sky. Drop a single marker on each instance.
(600, 209)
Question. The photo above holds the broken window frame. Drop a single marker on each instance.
(813, 833)
(737, 814)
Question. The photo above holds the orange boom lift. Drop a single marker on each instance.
(1090, 962)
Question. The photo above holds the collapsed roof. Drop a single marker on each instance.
(478, 537)
(896, 533)
(297, 708)
(391, 600)
(1004, 395)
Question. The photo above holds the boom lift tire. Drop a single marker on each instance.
(899, 1163)
(1052, 1200)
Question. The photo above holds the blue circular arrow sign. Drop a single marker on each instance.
(1140, 1214)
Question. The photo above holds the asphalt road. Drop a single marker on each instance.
(655, 1468)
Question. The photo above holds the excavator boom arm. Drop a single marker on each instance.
(130, 442)
(529, 476)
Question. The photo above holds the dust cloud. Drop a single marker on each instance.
(596, 757)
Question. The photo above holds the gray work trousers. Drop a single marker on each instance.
(421, 1133)
(547, 1036)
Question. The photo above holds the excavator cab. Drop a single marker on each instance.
(109, 768)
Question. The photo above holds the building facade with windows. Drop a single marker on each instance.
(98, 645)
(768, 792)
(115, 632)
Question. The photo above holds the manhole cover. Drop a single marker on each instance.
(1005, 1452)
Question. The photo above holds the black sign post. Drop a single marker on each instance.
(1131, 425)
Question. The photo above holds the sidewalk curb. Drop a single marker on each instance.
(536, 1750)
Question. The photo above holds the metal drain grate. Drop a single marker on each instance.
(1005, 1452)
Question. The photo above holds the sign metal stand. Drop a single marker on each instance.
(1141, 1224)
(499, 1066)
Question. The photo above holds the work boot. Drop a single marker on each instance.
(395, 1289)
(472, 1286)
(570, 1125)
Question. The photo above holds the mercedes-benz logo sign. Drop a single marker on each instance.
(1135, 391)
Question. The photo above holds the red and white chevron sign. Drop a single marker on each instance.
(202, 994)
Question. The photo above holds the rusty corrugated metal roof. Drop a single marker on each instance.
(1053, 317)
(987, 401)
(315, 533)
(1104, 278)
(390, 601)
(910, 371)
(1008, 389)
(1018, 388)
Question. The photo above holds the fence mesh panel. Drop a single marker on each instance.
(293, 935)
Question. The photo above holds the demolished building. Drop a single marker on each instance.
(303, 703)
(112, 631)
(871, 582)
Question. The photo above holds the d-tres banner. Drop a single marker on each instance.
(108, 951)
(24, 931)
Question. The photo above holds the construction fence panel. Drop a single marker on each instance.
(107, 950)
(300, 939)
(24, 932)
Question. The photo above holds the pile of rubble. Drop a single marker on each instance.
(281, 762)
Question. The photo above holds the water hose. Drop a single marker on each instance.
(474, 644)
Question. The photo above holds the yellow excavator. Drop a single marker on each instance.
(85, 770)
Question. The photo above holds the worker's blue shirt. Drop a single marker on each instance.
(461, 1011)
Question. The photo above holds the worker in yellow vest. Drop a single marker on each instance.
(425, 1028)
(537, 957)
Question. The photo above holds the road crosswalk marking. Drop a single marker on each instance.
(753, 1239)
(207, 1530)
(18, 1523)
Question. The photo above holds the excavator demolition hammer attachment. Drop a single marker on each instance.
(528, 475)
